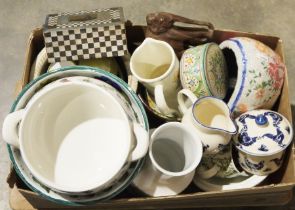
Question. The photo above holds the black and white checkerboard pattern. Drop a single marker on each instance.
(101, 33)
(113, 15)
(86, 43)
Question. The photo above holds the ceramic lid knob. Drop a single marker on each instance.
(261, 120)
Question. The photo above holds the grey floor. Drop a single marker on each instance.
(19, 17)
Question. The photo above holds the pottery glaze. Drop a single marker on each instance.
(97, 115)
(107, 87)
(263, 136)
(203, 70)
(210, 118)
(156, 66)
(220, 165)
(23, 171)
(174, 153)
(257, 74)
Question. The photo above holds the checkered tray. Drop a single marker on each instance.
(85, 34)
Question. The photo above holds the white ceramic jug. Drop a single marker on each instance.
(156, 66)
(210, 118)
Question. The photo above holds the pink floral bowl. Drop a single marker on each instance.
(256, 72)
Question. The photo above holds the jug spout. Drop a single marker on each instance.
(211, 113)
(224, 124)
(211, 118)
(231, 126)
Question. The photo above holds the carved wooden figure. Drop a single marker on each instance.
(162, 26)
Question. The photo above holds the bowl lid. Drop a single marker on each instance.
(263, 132)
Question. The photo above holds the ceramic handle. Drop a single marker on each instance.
(161, 101)
(185, 99)
(10, 127)
(142, 139)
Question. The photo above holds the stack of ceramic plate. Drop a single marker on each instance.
(122, 182)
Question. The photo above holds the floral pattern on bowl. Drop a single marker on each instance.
(203, 71)
(260, 74)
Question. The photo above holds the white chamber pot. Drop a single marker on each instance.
(66, 132)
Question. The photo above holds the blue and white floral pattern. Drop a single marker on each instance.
(254, 166)
(274, 129)
(277, 161)
(261, 141)
(263, 148)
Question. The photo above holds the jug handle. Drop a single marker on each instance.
(10, 127)
(186, 99)
(161, 101)
(142, 142)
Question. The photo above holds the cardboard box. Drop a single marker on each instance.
(277, 190)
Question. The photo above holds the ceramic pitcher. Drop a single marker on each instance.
(175, 151)
(210, 118)
(156, 66)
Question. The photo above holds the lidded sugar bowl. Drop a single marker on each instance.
(262, 139)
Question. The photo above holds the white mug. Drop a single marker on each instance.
(174, 153)
(174, 149)
(66, 132)
(156, 66)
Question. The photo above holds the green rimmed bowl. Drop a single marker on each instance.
(203, 70)
(25, 95)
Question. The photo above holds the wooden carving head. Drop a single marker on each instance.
(159, 22)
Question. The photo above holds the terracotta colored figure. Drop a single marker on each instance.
(162, 26)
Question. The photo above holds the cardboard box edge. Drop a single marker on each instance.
(284, 186)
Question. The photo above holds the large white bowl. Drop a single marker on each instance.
(33, 87)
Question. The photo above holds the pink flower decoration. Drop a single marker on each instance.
(276, 71)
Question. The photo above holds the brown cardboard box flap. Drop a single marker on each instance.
(266, 195)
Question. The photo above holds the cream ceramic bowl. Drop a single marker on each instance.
(73, 122)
